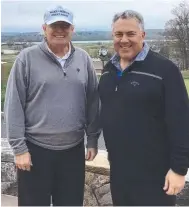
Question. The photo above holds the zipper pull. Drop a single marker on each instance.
(64, 73)
(116, 88)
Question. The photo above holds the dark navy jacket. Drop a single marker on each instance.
(145, 118)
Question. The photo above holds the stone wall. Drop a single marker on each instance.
(97, 183)
(97, 187)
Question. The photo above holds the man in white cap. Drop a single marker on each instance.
(51, 101)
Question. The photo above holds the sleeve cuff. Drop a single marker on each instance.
(21, 150)
(92, 142)
(180, 171)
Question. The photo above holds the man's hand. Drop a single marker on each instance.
(23, 161)
(174, 183)
(91, 154)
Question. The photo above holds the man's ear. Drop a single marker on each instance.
(44, 27)
(143, 34)
(73, 28)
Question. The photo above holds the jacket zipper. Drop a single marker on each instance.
(119, 78)
(64, 71)
(65, 64)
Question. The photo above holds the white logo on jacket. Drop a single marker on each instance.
(135, 83)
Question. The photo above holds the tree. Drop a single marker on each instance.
(177, 30)
(165, 51)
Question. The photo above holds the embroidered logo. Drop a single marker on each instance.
(135, 83)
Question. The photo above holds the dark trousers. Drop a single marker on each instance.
(128, 193)
(59, 174)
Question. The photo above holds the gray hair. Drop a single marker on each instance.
(130, 14)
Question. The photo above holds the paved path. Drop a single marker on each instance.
(7, 200)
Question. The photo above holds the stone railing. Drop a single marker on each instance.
(97, 183)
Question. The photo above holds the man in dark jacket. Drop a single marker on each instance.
(145, 119)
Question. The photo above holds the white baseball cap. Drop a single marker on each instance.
(58, 13)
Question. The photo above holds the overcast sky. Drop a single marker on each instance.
(88, 14)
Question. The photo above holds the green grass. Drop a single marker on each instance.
(185, 74)
(6, 67)
(3, 90)
(187, 84)
(8, 58)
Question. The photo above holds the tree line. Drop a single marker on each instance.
(177, 30)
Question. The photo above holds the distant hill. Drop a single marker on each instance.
(78, 36)
(10, 34)
(154, 33)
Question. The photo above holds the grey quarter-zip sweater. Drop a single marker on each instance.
(51, 106)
